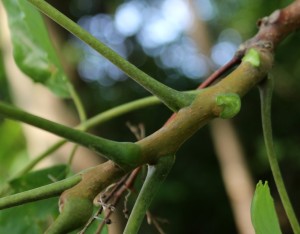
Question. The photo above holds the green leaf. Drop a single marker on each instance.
(263, 213)
(33, 51)
(32, 218)
(12, 151)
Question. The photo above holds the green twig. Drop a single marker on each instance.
(266, 98)
(81, 112)
(95, 121)
(72, 155)
(39, 158)
(40, 193)
(92, 122)
(174, 99)
(155, 177)
(77, 102)
(118, 111)
(123, 153)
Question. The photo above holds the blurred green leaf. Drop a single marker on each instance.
(33, 217)
(12, 149)
(263, 213)
(33, 50)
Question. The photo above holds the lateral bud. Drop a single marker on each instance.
(229, 104)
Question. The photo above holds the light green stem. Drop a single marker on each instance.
(77, 102)
(122, 153)
(266, 98)
(51, 190)
(92, 122)
(36, 160)
(72, 155)
(118, 111)
(81, 112)
(155, 177)
(125, 108)
(174, 99)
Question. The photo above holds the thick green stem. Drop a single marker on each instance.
(92, 122)
(155, 177)
(76, 203)
(75, 213)
(266, 98)
(97, 120)
(43, 192)
(123, 153)
(174, 99)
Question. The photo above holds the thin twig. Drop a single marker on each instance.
(119, 188)
(222, 70)
(117, 195)
(106, 199)
(156, 223)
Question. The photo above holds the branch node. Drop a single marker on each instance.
(274, 17)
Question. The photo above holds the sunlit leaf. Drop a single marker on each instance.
(263, 213)
(33, 51)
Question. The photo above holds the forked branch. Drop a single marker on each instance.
(220, 100)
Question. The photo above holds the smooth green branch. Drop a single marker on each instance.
(97, 120)
(122, 153)
(155, 177)
(118, 111)
(125, 108)
(92, 122)
(187, 121)
(51, 190)
(174, 99)
(75, 214)
(266, 97)
(81, 113)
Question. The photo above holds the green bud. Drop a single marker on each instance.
(230, 104)
(252, 56)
